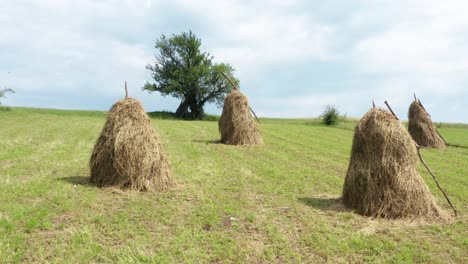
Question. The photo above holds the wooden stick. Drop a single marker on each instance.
(436, 181)
(126, 90)
(373, 104)
(232, 83)
(237, 88)
(389, 108)
(443, 139)
(251, 110)
(419, 101)
(415, 99)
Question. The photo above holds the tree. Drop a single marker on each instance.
(330, 116)
(181, 70)
(3, 93)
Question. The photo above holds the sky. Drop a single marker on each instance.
(292, 57)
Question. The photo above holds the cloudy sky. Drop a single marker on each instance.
(292, 57)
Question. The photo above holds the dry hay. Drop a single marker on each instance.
(128, 153)
(382, 178)
(236, 125)
(421, 128)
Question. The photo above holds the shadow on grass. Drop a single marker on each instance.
(77, 180)
(207, 141)
(457, 145)
(324, 203)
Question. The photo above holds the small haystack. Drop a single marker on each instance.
(421, 128)
(237, 125)
(128, 153)
(382, 180)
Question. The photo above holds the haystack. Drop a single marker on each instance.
(237, 125)
(128, 153)
(382, 180)
(421, 128)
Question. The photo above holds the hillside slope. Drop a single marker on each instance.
(277, 203)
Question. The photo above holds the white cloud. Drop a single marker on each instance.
(422, 38)
(257, 34)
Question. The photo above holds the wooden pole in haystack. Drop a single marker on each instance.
(391, 111)
(425, 164)
(419, 101)
(237, 88)
(422, 106)
(435, 179)
(126, 90)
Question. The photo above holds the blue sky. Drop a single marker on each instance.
(292, 57)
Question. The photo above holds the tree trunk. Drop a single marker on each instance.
(190, 103)
(196, 110)
(182, 110)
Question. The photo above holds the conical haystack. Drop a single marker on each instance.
(421, 128)
(128, 153)
(236, 125)
(382, 180)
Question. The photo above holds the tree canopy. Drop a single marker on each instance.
(183, 71)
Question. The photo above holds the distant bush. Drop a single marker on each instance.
(330, 116)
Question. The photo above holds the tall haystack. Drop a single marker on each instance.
(382, 180)
(237, 125)
(421, 128)
(128, 153)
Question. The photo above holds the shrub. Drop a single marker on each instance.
(330, 116)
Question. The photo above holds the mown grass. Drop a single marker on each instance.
(276, 203)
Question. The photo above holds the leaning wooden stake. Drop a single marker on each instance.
(229, 79)
(126, 90)
(419, 101)
(436, 181)
(443, 139)
(373, 104)
(391, 111)
(255, 115)
(237, 88)
(425, 165)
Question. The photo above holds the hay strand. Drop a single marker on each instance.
(382, 178)
(422, 129)
(236, 125)
(128, 153)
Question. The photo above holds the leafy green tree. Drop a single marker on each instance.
(183, 71)
(3, 93)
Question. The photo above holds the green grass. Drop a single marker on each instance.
(277, 203)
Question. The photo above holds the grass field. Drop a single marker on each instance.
(278, 203)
